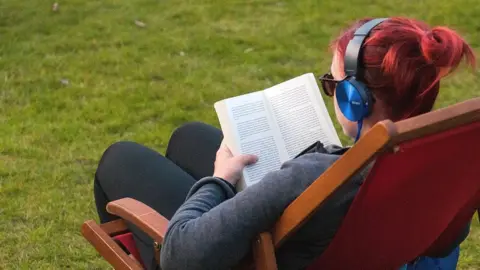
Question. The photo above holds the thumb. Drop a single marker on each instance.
(247, 159)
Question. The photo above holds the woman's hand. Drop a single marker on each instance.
(229, 167)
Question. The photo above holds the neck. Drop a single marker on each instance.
(377, 116)
(366, 126)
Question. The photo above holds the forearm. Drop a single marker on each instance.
(211, 230)
(195, 234)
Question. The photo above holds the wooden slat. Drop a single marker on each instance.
(141, 215)
(114, 227)
(345, 167)
(439, 120)
(264, 253)
(105, 245)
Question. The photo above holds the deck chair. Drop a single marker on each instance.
(422, 189)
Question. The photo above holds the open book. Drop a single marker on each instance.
(275, 124)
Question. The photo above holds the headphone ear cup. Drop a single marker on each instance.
(366, 95)
(353, 100)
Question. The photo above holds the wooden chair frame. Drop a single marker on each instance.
(384, 136)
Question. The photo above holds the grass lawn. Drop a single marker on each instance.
(78, 79)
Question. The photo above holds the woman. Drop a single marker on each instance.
(211, 227)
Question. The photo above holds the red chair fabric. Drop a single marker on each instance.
(127, 241)
(413, 203)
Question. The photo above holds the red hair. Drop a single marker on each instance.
(404, 60)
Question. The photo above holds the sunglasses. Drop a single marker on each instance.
(329, 84)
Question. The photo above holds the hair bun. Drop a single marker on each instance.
(442, 47)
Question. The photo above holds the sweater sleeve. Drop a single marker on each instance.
(214, 228)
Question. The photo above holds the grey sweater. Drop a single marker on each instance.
(215, 227)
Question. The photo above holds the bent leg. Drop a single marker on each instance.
(127, 169)
(193, 147)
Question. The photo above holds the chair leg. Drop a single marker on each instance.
(264, 253)
(110, 250)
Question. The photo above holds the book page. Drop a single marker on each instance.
(255, 133)
(299, 114)
(275, 124)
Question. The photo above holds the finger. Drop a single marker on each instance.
(247, 159)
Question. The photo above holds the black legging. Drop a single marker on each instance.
(127, 169)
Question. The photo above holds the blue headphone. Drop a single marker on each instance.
(353, 97)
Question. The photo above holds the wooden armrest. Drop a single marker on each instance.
(107, 247)
(141, 215)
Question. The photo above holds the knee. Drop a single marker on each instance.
(195, 130)
(113, 155)
(189, 128)
(117, 148)
(190, 134)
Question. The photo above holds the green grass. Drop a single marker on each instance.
(131, 83)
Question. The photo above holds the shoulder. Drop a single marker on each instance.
(312, 163)
(280, 187)
(297, 174)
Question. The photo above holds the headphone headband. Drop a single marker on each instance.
(352, 61)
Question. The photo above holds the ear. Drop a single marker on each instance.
(337, 67)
